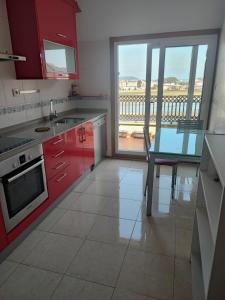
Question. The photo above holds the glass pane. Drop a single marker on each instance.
(25, 189)
(59, 58)
(199, 79)
(176, 84)
(131, 96)
(169, 140)
(154, 91)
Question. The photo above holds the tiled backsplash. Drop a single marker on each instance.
(14, 110)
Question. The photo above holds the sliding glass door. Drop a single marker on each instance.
(158, 83)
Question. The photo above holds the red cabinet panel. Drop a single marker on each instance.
(56, 19)
(88, 145)
(34, 21)
(3, 237)
(60, 183)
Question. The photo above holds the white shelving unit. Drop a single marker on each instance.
(208, 242)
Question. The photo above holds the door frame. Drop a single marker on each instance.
(188, 38)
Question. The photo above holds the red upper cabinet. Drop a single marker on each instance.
(45, 32)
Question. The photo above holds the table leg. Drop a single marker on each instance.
(150, 185)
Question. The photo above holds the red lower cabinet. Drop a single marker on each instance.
(67, 157)
(3, 237)
(60, 183)
(88, 145)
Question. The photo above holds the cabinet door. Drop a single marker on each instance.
(3, 239)
(73, 152)
(57, 20)
(88, 145)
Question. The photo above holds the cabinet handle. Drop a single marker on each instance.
(57, 142)
(58, 154)
(61, 178)
(80, 136)
(84, 134)
(60, 165)
(62, 35)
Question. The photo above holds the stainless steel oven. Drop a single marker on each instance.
(22, 185)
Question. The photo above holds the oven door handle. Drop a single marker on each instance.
(25, 171)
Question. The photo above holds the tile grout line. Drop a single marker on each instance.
(123, 261)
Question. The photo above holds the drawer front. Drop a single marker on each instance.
(54, 166)
(55, 144)
(55, 155)
(60, 183)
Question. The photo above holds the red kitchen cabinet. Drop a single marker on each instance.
(45, 32)
(88, 145)
(3, 237)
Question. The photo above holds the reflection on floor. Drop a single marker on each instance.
(99, 244)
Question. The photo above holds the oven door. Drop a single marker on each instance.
(22, 191)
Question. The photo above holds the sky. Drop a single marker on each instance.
(132, 61)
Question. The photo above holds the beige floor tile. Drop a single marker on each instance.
(83, 185)
(72, 288)
(182, 290)
(51, 219)
(73, 223)
(121, 208)
(24, 249)
(69, 201)
(115, 190)
(54, 253)
(134, 177)
(127, 295)
(6, 269)
(154, 238)
(115, 175)
(90, 203)
(98, 262)
(148, 274)
(28, 283)
(182, 280)
(183, 243)
(112, 230)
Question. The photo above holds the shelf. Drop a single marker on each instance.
(206, 246)
(197, 280)
(216, 146)
(213, 196)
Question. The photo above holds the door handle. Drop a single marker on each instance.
(84, 134)
(60, 165)
(58, 154)
(57, 142)
(62, 35)
(80, 135)
(61, 178)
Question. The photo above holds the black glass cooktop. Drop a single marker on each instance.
(9, 143)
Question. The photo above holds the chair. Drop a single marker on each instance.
(159, 162)
(191, 125)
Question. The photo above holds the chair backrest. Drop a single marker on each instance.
(147, 142)
(190, 124)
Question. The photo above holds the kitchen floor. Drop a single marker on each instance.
(98, 243)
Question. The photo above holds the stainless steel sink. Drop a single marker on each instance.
(69, 121)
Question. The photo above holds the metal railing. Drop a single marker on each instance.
(132, 108)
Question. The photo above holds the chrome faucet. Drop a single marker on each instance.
(52, 114)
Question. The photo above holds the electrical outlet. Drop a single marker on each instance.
(15, 92)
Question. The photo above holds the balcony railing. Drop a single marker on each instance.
(132, 108)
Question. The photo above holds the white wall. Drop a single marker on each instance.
(101, 19)
(49, 88)
(217, 120)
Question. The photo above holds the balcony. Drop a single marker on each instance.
(132, 116)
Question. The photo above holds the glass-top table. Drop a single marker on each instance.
(171, 143)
